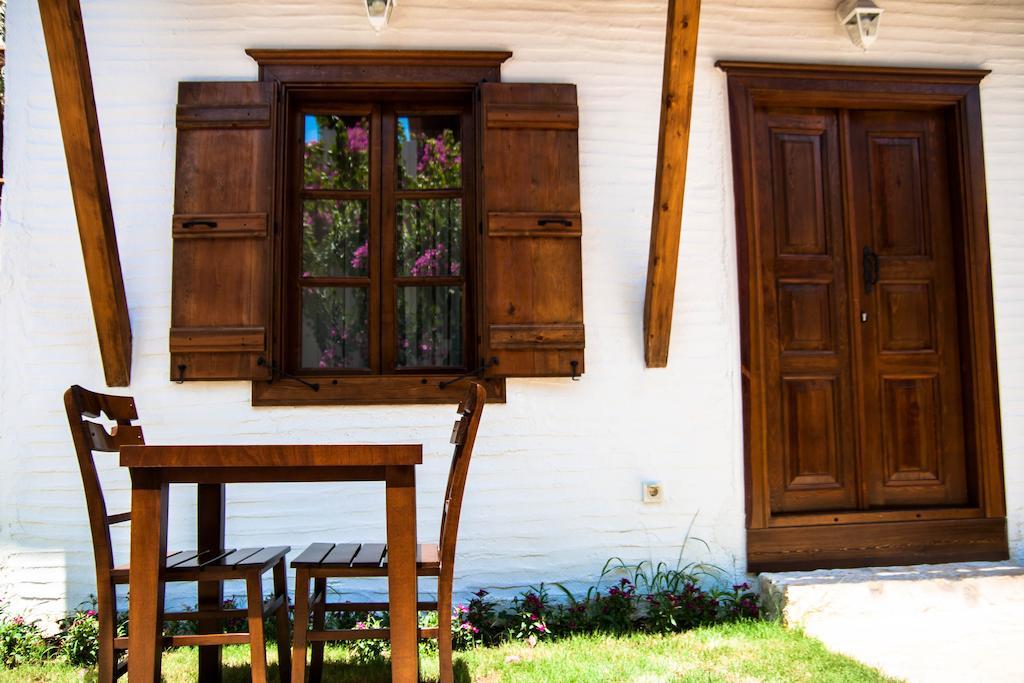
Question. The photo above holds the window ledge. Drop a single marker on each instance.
(372, 390)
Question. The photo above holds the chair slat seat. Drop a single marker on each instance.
(338, 558)
(186, 565)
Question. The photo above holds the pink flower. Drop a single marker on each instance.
(429, 262)
(359, 256)
(358, 139)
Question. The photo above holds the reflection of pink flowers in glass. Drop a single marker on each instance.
(359, 256)
(440, 161)
(334, 355)
(358, 139)
(431, 263)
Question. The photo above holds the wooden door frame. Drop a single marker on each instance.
(905, 536)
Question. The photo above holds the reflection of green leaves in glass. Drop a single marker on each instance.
(335, 328)
(429, 237)
(429, 327)
(333, 232)
(429, 153)
(337, 153)
(429, 242)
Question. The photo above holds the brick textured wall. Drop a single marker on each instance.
(555, 489)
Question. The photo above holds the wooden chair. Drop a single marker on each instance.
(247, 564)
(321, 561)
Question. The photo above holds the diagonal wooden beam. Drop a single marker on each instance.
(76, 108)
(673, 145)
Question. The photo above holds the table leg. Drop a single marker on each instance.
(210, 514)
(402, 588)
(146, 588)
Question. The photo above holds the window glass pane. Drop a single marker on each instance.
(429, 327)
(429, 237)
(334, 238)
(335, 327)
(337, 152)
(429, 151)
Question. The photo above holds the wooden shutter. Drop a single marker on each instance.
(220, 291)
(532, 278)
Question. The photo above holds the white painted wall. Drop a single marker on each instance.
(555, 487)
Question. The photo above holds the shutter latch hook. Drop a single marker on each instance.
(575, 377)
(274, 369)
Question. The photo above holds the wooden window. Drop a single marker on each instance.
(393, 222)
(375, 239)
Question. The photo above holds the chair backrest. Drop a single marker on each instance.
(91, 436)
(463, 437)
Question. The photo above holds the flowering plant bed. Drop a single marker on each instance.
(641, 598)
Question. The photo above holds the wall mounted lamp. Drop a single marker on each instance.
(379, 13)
(861, 19)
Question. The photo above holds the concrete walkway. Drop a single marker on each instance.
(949, 622)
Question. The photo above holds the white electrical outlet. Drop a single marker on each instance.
(654, 492)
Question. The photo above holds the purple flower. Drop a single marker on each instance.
(359, 256)
(429, 262)
(358, 139)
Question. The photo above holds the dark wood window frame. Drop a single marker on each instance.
(973, 532)
(443, 78)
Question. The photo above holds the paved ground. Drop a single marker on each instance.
(950, 622)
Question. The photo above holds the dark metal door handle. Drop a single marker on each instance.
(869, 266)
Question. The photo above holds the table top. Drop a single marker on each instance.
(291, 455)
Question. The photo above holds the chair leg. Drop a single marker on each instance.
(301, 626)
(107, 610)
(283, 635)
(444, 628)
(257, 637)
(316, 666)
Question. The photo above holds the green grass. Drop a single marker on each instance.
(754, 651)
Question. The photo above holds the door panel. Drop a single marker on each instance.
(912, 414)
(804, 292)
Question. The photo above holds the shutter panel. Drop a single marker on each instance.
(220, 290)
(532, 280)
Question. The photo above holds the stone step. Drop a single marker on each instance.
(947, 622)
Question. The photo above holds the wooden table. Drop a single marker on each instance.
(154, 468)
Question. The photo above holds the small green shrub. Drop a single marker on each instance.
(21, 642)
(366, 651)
(530, 615)
(79, 638)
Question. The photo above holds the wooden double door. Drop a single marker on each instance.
(858, 294)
